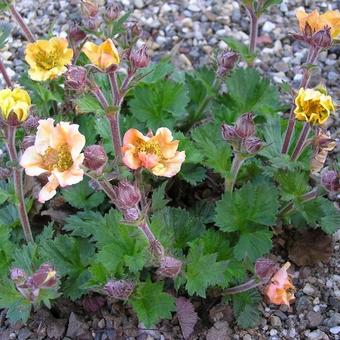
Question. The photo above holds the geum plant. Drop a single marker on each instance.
(188, 201)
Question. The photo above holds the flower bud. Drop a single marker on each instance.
(31, 123)
(252, 145)
(226, 61)
(95, 158)
(131, 214)
(228, 133)
(134, 30)
(265, 269)
(139, 57)
(44, 277)
(119, 289)
(127, 195)
(18, 276)
(330, 180)
(169, 267)
(89, 8)
(322, 38)
(75, 33)
(27, 142)
(92, 23)
(245, 126)
(76, 78)
(112, 11)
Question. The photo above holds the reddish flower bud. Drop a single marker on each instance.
(226, 61)
(76, 78)
(322, 38)
(169, 267)
(44, 277)
(245, 126)
(27, 142)
(134, 30)
(127, 195)
(330, 180)
(119, 289)
(265, 269)
(18, 276)
(252, 145)
(31, 123)
(112, 11)
(75, 33)
(92, 23)
(95, 158)
(89, 8)
(139, 57)
(229, 133)
(131, 214)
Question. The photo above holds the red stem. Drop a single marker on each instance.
(5, 75)
(18, 18)
(253, 28)
(301, 141)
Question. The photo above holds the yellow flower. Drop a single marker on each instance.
(157, 153)
(102, 56)
(47, 58)
(16, 101)
(313, 106)
(56, 152)
(317, 22)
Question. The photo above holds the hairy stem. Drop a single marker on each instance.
(18, 18)
(97, 92)
(301, 141)
(251, 284)
(18, 184)
(114, 88)
(253, 28)
(235, 168)
(113, 118)
(5, 74)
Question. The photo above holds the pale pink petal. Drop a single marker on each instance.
(71, 176)
(148, 160)
(59, 136)
(132, 136)
(49, 190)
(31, 161)
(165, 140)
(73, 138)
(44, 135)
(169, 167)
(130, 159)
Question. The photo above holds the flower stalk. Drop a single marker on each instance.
(253, 28)
(4, 73)
(235, 168)
(301, 141)
(20, 21)
(18, 184)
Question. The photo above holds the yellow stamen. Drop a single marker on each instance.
(60, 158)
(150, 147)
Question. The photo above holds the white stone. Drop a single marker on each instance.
(138, 3)
(268, 26)
(335, 330)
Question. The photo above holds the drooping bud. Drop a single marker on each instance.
(226, 61)
(75, 33)
(112, 11)
(27, 142)
(228, 133)
(134, 30)
(76, 78)
(252, 145)
(31, 123)
(322, 38)
(92, 23)
(330, 180)
(131, 214)
(119, 289)
(89, 8)
(95, 157)
(169, 267)
(265, 269)
(127, 195)
(245, 126)
(18, 276)
(139, 57)
(44, 277)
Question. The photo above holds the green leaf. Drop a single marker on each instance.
(215, 151)
(253, 245)
(151, 304)
(159, 200)
(86, 124)
(81, 196)
(118, 24)
(87, 103)
(246, 310)
(103, 128)
(4, 196)
(159, 104)
(192, 173)
(6, 250)
(253, 204)
(5, 31)
(156, 71)
(241, 48)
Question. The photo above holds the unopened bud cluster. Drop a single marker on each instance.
(29, 286)
(119, 289)
(319, 39)
(242, 135)
(169, 267)
(139, 58)
(226, 61)
(95, 158)
(330, 180)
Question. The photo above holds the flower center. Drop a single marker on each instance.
(311, 107)
(47, 60)
(57, 159)
(150, 147)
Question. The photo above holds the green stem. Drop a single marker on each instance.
(301, 142)
(235, 168)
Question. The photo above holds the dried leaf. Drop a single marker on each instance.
(265, 268)
(186, 315)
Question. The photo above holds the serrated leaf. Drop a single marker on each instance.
(192, 173)
(86, 124)
(253, 245)
(6, 250)
(159, 104)
(159, 200)
(156, 71)
(151, 304)
(240, 47)
(253, 204)
(81, 196)
(87, 103)
(103, 128)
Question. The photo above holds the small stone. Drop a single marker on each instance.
(332, 76)
(101, 323)
(317, 335)
(334, 320)
(268, 26)
(12, 336)
(308, 289)
(303, 304)
(335, 330)
(275, 321)
(314, 319)
(194, 8)
(138, 3)
(273, 332)
(247, 337)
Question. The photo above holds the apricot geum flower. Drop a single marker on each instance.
(280, 290)
(103, 56)
(315, 22)
(17, 102)
(56, 152)
(156, 153)
(313, 106)
(48, 58)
